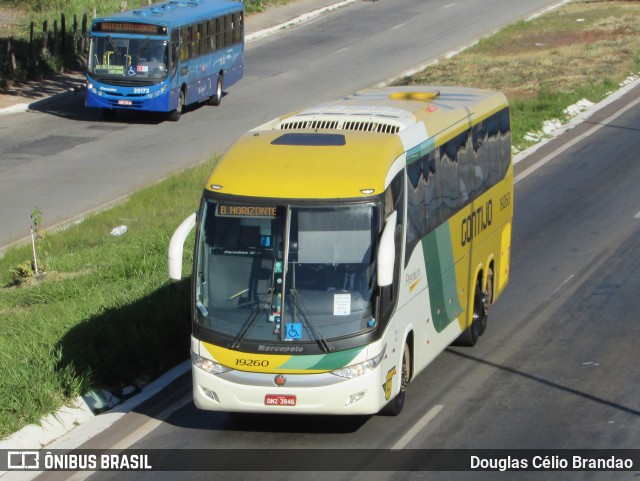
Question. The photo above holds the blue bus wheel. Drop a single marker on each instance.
(216, 98)
(174, 115)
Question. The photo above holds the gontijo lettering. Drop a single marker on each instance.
(476, 222)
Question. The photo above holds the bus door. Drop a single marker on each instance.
(174, 58)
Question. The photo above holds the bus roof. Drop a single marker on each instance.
(174, 12)
(350, 148)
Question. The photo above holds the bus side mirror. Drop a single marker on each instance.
(176, 247)
(387, 251)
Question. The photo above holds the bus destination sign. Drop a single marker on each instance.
(226, 210)
(129, 27)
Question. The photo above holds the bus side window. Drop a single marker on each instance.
(465, 168)
(505, 140)
(448, 169)
(204, 37)
(196, 30)
(175, 46)
(184, 44)
(228, 30)
(237, 27)
(219, 33)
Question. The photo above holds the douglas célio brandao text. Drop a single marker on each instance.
(551, 463)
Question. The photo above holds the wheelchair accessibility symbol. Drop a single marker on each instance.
(294, 331)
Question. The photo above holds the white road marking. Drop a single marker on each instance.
(398, 26)
(413, 432)
(637, 216)
(562, 287)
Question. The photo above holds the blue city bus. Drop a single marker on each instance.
(164, 56)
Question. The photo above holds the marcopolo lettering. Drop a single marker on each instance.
(476, 222)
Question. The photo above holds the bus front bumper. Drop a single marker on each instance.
(238, 391)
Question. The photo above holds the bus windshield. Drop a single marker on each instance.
(131, 58)
(286, 273)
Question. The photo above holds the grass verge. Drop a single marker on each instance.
(106, 314)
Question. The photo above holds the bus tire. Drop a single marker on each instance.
(470, 335)
(395, 406)
(216, 98)
(487, 300)
(174, 115)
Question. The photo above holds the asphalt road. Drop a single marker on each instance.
(66, 161)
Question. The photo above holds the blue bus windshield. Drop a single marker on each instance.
(130, 58)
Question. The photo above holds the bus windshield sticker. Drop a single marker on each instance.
(294, 331)
(342, 304)
(110, 69)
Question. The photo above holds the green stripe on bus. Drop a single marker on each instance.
(443, 289)
(322, 362)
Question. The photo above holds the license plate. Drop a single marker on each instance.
(280, 400)
(125, 102)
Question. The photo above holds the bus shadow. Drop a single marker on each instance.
(546, 382)
(128, 346)
(191, 417)
(70, 105)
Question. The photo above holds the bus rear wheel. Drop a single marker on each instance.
(470, 335)
(395, 406)
(216, 98)
(174, 115)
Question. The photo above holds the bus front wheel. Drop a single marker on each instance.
(395, 406)
(174, 115)
(216, 98)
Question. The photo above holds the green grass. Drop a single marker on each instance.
(105, 315)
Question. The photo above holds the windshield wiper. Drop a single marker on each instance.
(252, 319)
(306, 317)
(142, 47)
(115, 48)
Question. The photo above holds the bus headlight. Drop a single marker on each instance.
(207, 365)
(361, 368)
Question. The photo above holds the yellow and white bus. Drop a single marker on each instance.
(341, 248)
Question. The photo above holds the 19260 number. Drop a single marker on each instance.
(252, 363)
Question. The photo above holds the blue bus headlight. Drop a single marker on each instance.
(361, 368)
(207, 365)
